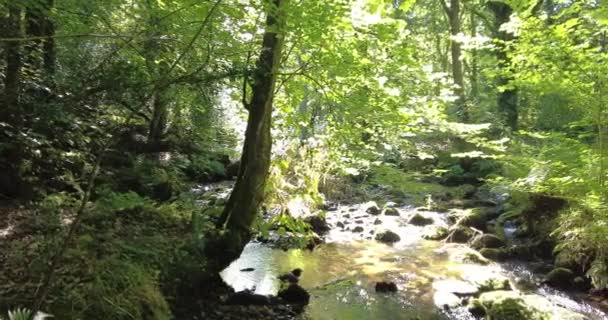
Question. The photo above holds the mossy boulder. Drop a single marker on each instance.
(487, 281)
(460, 234)
(434, 233)
(487, 240)
(420, 220)
(494, 254)
(560, 278)
(390, 211)
(474, 217)
(511, 305)
(387, 236)
(372, 208)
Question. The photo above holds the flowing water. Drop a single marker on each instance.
(341, 274)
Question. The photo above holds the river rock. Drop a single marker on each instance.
(486, 281)
(516, 306)
(385, 287)
(456, 287)
(329, 206)
(339, 224)
(387, 236)
(318, 224)
(390, 211)
(420, 220)
(487, 240)
(358, 229)
(372, 208)
(377, 221)
(434, 233)
(247, 297)
(494, 254)
(460, 234)
(560, 278)
(446, 300)
(294, 294)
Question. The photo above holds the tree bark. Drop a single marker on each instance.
(507, 99)
(242, 207)
(453, 14)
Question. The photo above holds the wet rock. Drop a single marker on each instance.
(359, 221)
(473, 257)
(456, 287)
(314, 241)
(434, 233)
(487, 281)
(560, 278)
(294, 294)
(391, 212)
(446, 300)
(372, 208)
(494, 254)
(247, 269)
(516, 306)
(581, 284)
(385, 287)
(420, 220)
(358, 229)
(460, 234)
(318, 224)
(346, 216)
(387, 236)
(525, 284)
(391, 204)
(247, 297)
(377, 221)
(487, 240)
(291, 277)
(476, 308)
(475, 217)
(329, 206)
(340, 225)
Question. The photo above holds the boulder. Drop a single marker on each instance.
(377, 221)
(494, 254)
(487, 240)
(385, 287)
(487, 281)
(390, 211)
(420, 220)
(457, 287)
(446, 300)
(387, 236)
(358, 229)
(318, 224)
(560, 278)
(294, 294)
(434, 233)
(511, 305)
(460, 234)
(372, 208)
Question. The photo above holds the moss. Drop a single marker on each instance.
(407, 185)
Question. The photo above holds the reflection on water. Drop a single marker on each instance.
(340, 275)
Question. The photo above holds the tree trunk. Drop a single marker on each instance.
(453, 14)
(158, 122)
(507, 99)
(40, 53)
(242, 207)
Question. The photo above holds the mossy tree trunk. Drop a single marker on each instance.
(453, 14)
(242, 207)
(507, 97)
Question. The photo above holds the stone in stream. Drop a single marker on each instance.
(247, 297)
(247, 269)
(434, 233)
(318, 224)
(385, 287)
(346, 216)
(339, 224)
(486, 281)
(456, 287)
(329, 206)
(387, 236)
(487, 240)
(560, 278)
(377, 221)
(420, 220)
(359, 221)
(446, 300)
(390, 211)
(294, 294)
(494, 254)
(372, 208)
(460, 234)
(358, 229)
(513, 305)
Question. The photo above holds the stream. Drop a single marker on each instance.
(340, 274)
